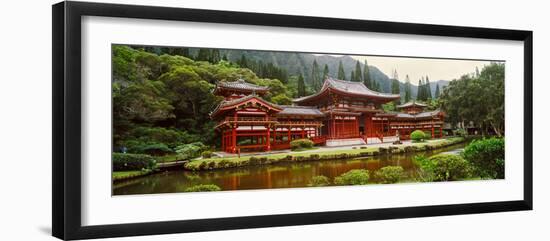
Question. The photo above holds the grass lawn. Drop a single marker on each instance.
(219, 162)
(121, 175)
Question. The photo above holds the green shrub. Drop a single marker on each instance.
(206, 154)
(353, 177)
(390, 174)
(301, 144)
(487, 157)
(211, 165)
(203, 188)
(149, 147)
(254, 161)
(314, 157)
(203, 165)
(443, 167)
(189, 151)
(460, 132)
(319, 181)
(132, 162)
(139, 138)
(418, 136)
(427, 135)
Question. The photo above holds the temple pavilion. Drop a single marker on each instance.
(341, 113)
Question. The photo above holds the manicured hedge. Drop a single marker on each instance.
(132, 162)
(301, 144)
(203, 188)
(444, 167)
(417, 136)
(353, 177)
(390, 174)
(319, 181)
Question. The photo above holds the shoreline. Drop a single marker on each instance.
(354, 152)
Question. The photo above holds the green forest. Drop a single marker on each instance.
(162, 97)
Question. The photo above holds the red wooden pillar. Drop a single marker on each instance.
(234, 134)
(356, 126)
(223, 140)
(268, 142)
(433, 134)
(288, 134)
(234, 139)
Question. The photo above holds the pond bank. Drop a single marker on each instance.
(276, 175)
(319, 155)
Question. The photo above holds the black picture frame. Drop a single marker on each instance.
(66, 58)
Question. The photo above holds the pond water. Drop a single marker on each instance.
(281, 175)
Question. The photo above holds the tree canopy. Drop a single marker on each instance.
(477, 98)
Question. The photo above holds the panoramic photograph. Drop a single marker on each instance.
(188, 119)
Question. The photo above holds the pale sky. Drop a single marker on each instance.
(435, 69)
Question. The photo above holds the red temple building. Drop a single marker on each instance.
(341, 113)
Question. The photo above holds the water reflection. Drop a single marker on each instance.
(282, 175)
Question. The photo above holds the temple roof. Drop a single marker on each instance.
(300, 110)
(414, 116)
(240, 85)
(349, 87)
(228, 104)
(411, 104)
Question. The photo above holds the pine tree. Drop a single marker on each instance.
(407, 89)
(224, 58)
(374, 85)
(301, 86)
(204, 55)
(428, 89)
(358, 76)
(437, 90)
(315, 78)
(243, 62)
(366, 76)
(341, 72)
(215, 56)
(325, 73)
(352, 76)
(185, 52)
(395, 85)
(419, 93)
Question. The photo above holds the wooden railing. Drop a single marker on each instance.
(299, 123)
(248, 120)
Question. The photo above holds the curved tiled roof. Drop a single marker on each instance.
(241, 85)
(419, 115)
(351, 87)
(226, 103)
(300, 110)
(412, 103)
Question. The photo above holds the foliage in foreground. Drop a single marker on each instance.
(319, 181)
(203, 188)
(390, 174)
(443, 167)
(353, 177)
(133, 162)
(487, 157)
(301, 144)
